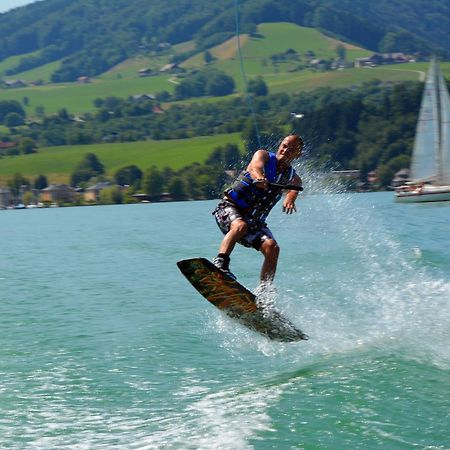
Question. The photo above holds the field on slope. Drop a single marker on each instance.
(275, 38)
(57, 163)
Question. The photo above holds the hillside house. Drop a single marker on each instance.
(171, 68)
(14, 83)
(146, 72)
(143, 97)
(318, 63)
(92, 193)
(378, 59)
(58, 193)
(7, 145)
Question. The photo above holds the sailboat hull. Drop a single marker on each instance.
(427, 194)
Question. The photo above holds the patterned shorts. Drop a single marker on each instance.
(226, 212)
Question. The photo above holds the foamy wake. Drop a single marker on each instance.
(216, 420)
(370, 293)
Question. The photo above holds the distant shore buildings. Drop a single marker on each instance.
(54, 194)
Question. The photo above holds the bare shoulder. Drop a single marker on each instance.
(261, 154)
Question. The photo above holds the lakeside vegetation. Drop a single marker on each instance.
(367, 128)
(57, 163)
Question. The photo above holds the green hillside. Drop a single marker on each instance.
(89, 37)
(274, 38)
(57, 163)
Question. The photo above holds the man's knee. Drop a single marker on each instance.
(239, 227)
(270, 248)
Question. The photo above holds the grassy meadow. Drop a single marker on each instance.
(78, 98)
(274, 38)
(57, 163)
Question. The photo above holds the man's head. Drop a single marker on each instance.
(290, 149)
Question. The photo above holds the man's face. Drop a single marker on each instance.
(289, 150)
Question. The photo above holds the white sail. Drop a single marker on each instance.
(425, 160)
(430, 166)
(444, 100)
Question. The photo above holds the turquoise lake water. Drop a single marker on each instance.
(105, 345)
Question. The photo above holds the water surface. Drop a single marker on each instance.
(105, 345)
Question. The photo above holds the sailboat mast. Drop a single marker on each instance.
(437, 76)
(444, 130)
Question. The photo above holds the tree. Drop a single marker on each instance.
(129, 175)
(16, 183)
(208, 57)
(341, 52)
(228, 157)
(40, 182)
(153, 183)
(387, 171)
(98, 102)
(111, 195)
(250, 137)
(111, 102)
(216, 157)
(88, 168)
(40, 111)
(64, 115)
(231, 156)
(405, 41)
(220, 84)
(258, 87)
(176, 188)
(92, 162)
(27, 146)
(13, 119)
(27, 198)
(8, 107)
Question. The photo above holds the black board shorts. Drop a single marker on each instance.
(226, 212)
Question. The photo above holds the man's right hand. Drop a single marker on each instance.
(261, 183)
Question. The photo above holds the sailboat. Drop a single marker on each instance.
(430, 164)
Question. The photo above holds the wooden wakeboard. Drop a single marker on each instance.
(238, 302)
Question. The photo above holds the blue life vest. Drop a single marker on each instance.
(254, 202)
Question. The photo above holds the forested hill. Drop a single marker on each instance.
(90, 36)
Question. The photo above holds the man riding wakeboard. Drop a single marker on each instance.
(241, 214)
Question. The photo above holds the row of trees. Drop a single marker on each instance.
(196, 181)
(193, 181)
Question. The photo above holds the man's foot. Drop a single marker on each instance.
(222, 264)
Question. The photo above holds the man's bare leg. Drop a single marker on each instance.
(270, 250)
(238, 228)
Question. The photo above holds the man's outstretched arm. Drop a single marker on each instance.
(291, 196)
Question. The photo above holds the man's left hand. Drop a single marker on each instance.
(289, 207)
